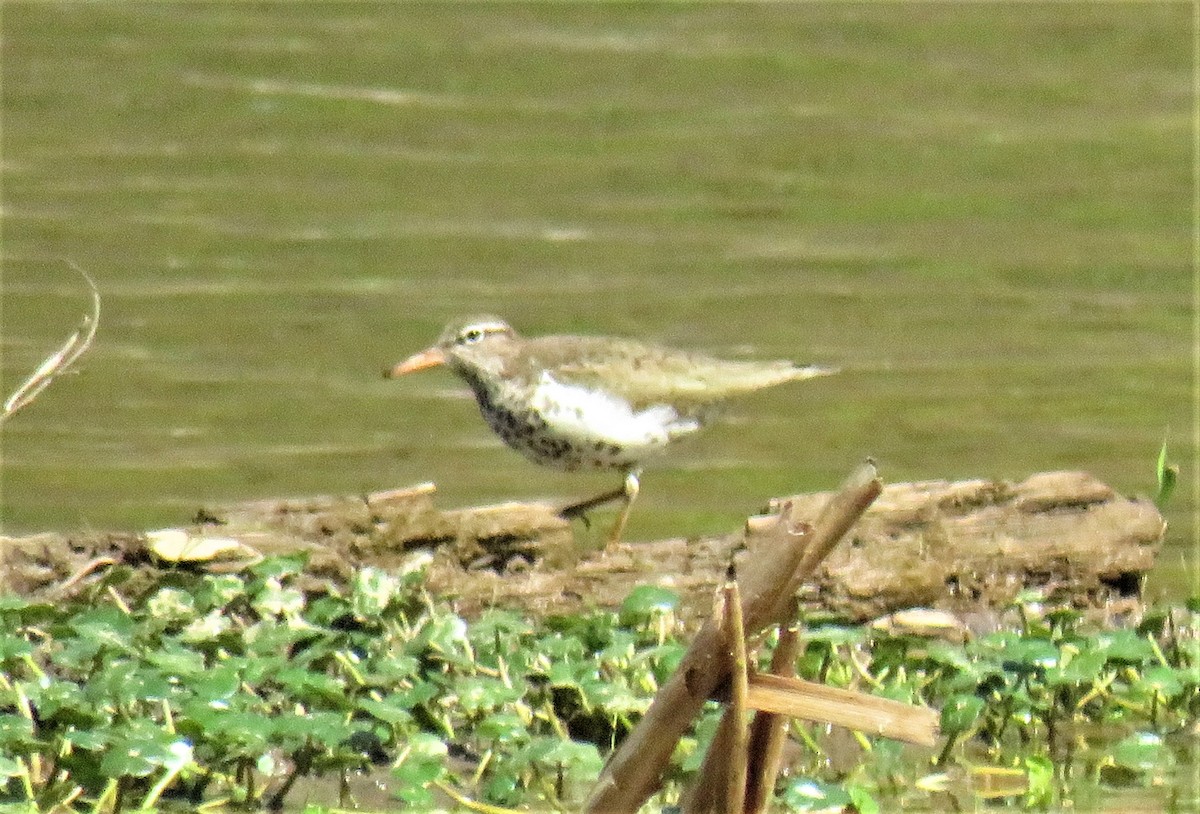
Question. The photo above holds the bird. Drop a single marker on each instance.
(591, 402)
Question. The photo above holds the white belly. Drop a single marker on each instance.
(573, 427)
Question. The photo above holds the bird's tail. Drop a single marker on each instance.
(801, 372)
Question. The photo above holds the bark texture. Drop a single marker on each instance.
(953, 545)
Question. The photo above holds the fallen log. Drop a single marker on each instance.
(958, 546)
(931, 544)
(981, 542)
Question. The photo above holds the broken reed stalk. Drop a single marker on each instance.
(779, 559)
(810, 701)
(735, 789)
(721, 784)
(61, 360)
(768, 733)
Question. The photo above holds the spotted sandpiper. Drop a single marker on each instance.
(583, 402)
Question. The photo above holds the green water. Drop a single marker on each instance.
(982, 212)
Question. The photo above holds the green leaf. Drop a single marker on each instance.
(389, 710)
(1064, 619)
(1124, 647)
(1025, 655)
(960, 713)
(10, 767)
(504, 728)
(15, 731)
(446, 635)
(646, 602)
(125, 683)
(177, 660)
(1154, 621)
(372, 591)
(504, 788)
(277, 567)
(206, 629)
(218, 683)
(478, 695)
(271, 640)
(1040, 773)
(1141, 752)
(1080, 669)
(1168, 474)
(235, 732)
(14, 647)
(101, 628)
(332, 612)
(64, 704)
(581, 760)
(495, 622)
(13, 602)
(327, 729)
(276, 600)
(140, 750)
(218, 590)
(836, 635)
(91, 740)
(1166, 681)
(171, 606)
(392, 668)
(303, 682)
(808, 794)
(614, 697)
(861, 799)
(415, 695)
(423, 761)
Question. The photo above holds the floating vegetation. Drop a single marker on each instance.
(231, 688)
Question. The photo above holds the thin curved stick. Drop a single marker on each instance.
(61, 360)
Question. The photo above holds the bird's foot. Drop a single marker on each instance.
(576, 512)
(614, 546)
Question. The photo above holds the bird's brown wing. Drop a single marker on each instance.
(647, 374)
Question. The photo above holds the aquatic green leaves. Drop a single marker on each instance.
(1138, 758)
(804, 794)
(139, 749)
(234, 685)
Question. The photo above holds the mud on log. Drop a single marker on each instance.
(951, 545)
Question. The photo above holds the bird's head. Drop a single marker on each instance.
(465, 345)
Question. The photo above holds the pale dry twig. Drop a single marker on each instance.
(61, 360)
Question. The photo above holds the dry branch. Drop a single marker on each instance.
(769, 730)
(778, 558)
(723, 776)
(797, 698)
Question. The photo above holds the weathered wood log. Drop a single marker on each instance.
(338, 533)
(958, 546)
(972, 543)
(939, 544)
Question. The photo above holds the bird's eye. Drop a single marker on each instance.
(472, 335)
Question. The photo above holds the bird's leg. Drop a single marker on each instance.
(626, 493)
(581, 508)
(631, 488)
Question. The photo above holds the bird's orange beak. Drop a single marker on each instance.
(430, 357)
